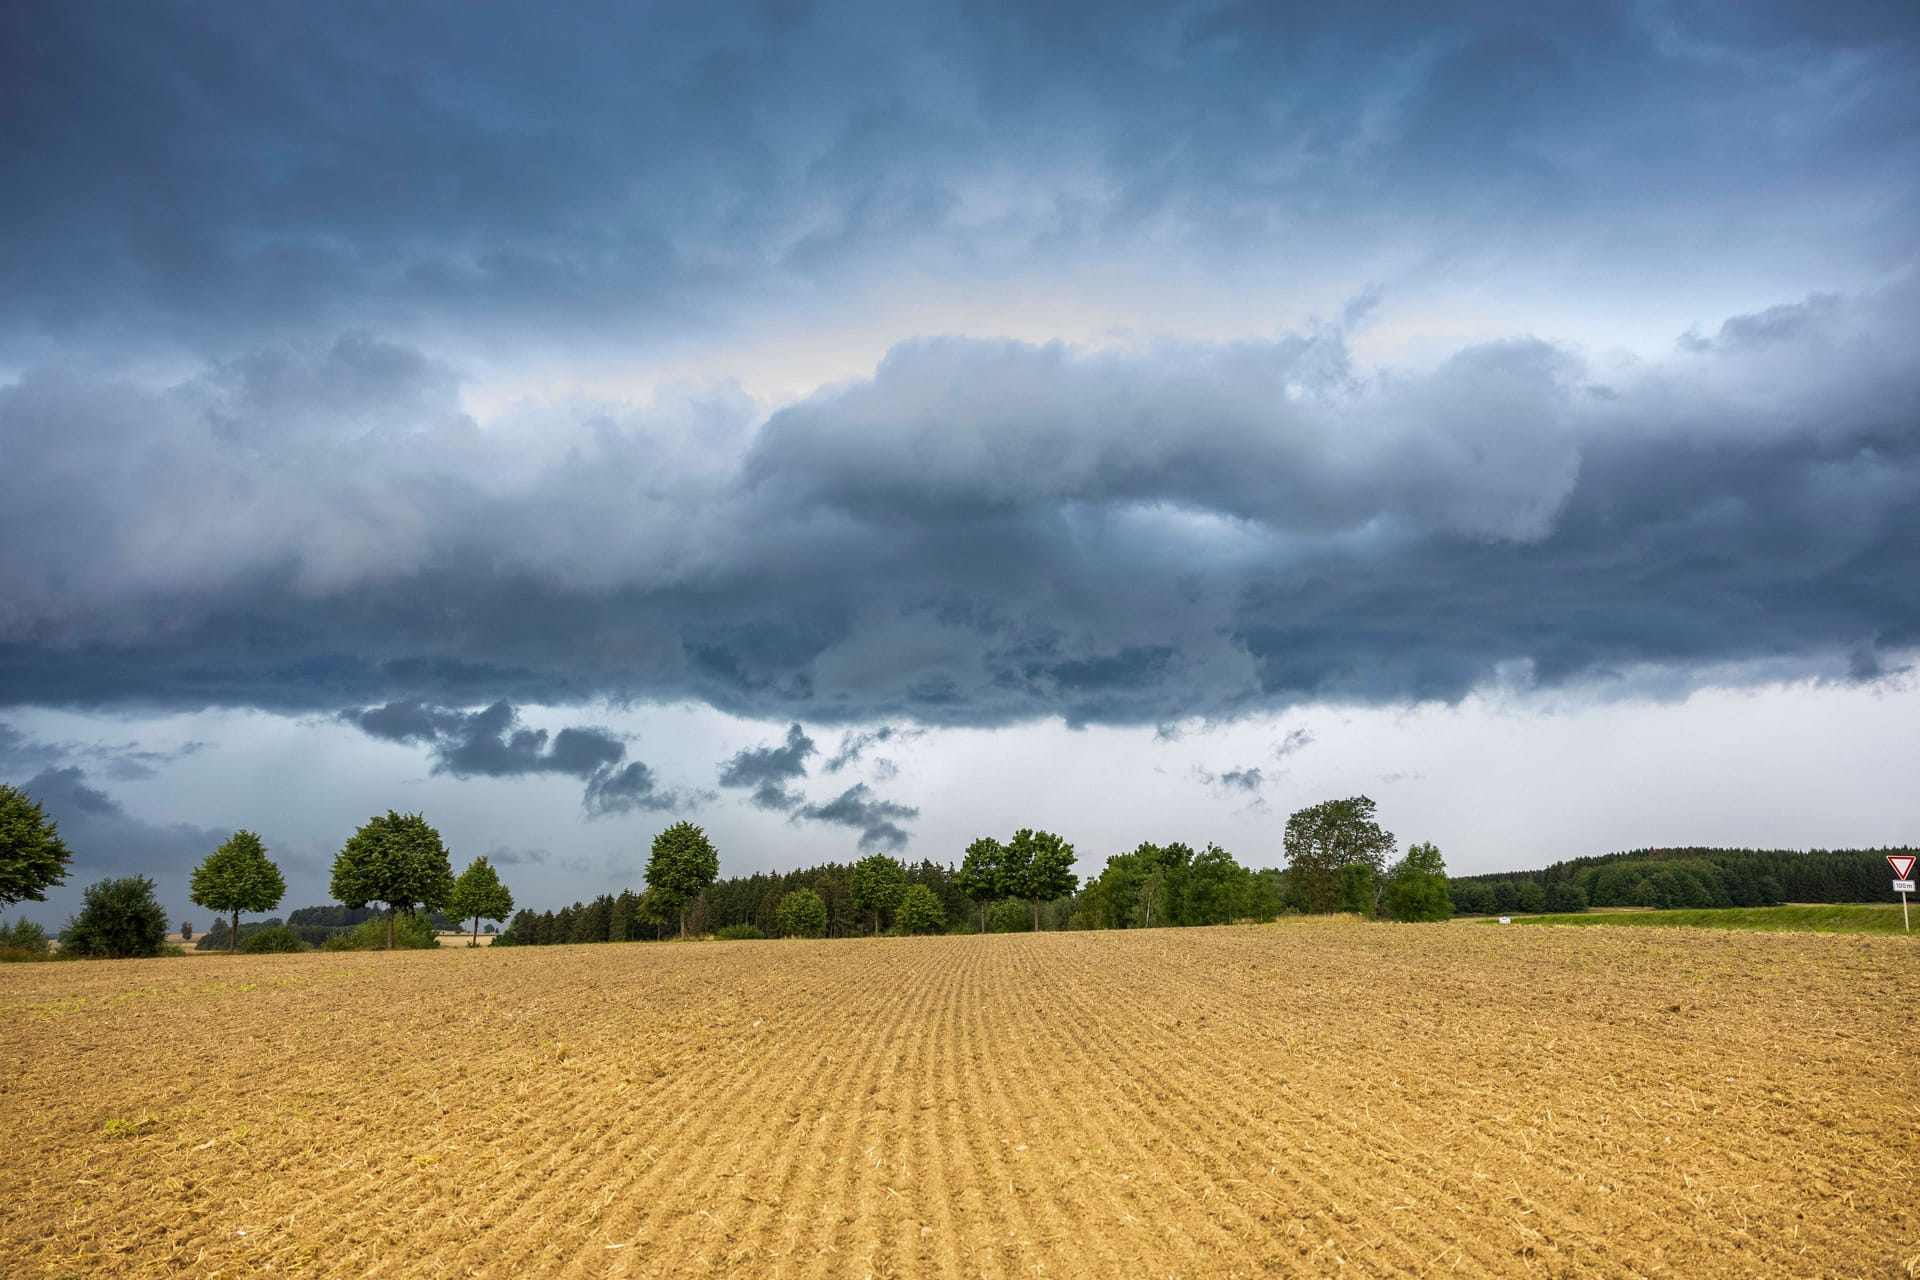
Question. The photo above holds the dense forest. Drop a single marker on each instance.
(1681, 877)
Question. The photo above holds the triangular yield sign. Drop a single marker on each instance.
(1902, 865)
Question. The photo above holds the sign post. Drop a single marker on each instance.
(1902, 864)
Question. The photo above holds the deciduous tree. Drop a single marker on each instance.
(878, 882)
(119, 919)
(1039, 868)
(397, 860)
(1326, 837)
(478, 895)
(32, 854)
(920, 911)
(236, 877)
(803, 914)
(983, 874)
(1417, 885)
(683, 862)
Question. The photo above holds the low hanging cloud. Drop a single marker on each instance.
(492, 743)
(765, 771)
(878, 821)
(981, 533)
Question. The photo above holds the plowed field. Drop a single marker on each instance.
(1305, 1099)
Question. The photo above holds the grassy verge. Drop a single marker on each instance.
(1823, 918)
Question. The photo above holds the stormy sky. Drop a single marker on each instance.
(863, 427)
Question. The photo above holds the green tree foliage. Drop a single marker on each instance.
(118, 919)
(273, 939)
(983, 873)
(33, 857)
(682, 864)
(1357, 889)
(802, 914)
(920, 911)
(478, 895)
(1417, 885)
(25, 936)
(1039, 868)
(397, 860)
(1009, 915)
(1325, 838)
(1566, 897)
(1691, 877)
(384, 933)
(740, 933)
(236, 877)
(877, 886)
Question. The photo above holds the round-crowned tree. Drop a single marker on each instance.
(32, 854)
(876, 886)
(478, 895)
(119, 919)
(397, 860)
(683, 863)
(920, 911)
(236, 877)
(802, 914)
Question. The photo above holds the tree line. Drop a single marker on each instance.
(1681, 878)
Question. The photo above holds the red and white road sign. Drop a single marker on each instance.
(1902, 865)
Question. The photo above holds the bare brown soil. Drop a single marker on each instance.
(1312, 1099)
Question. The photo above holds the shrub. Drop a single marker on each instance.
(120, 919)
(739, 933)
(1009, 915)
(23, 935)
(802, 914)
(274, 939)
(410, 933)
(920, 911)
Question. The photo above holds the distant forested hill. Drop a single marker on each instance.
(1691, 877)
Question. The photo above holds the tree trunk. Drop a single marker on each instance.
(1036, 915)
(476, 931)
(983, 917)
(233, 943)
(683, 924)
(390, 911)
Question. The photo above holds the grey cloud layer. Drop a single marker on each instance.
(1129, 536)
(211, 177)
(492, 743)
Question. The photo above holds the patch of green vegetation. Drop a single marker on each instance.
(1821, 918)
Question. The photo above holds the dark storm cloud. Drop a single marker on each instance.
(855, 743)
(766, 771)
(878, 821)
(985, 532)
(633, 788)
(228, 177)
(492, 743)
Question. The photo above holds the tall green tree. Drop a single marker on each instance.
(920, 911)
(1039, 868)
(983, 874)
(478, 895)
(877, 885)
(1326, 837)
(682, 864)
(397, 860)
(803, 914)
(236, 877)
(119, 919)
(33, 857)
(1417, 885)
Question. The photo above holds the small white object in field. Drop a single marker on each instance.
(1506, 919)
